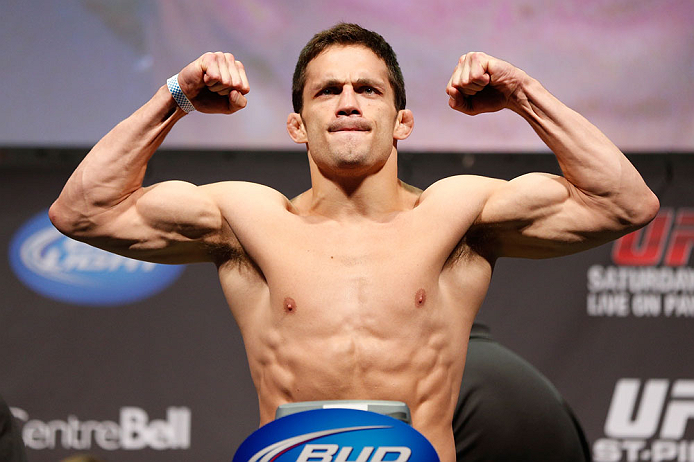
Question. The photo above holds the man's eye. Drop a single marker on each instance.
(329, 91)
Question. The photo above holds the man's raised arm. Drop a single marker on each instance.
(104, 204)
(600, 197)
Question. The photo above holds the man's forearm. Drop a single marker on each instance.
(115, 167)
(588, 159)
(215, 83)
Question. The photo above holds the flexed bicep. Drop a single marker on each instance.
(600, 196)
(103, 202)
(169, 222)
(539, 215)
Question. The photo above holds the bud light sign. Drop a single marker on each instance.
(70, 271)
(336, 435)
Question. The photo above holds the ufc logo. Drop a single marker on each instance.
(647, 246)
(626, 419)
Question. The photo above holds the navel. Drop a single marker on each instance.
(420, 298)
(289, 305)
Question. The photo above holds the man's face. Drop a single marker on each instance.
(348, 120)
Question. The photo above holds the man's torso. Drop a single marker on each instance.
(357, 309)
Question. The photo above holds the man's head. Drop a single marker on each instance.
(347, 102)
(348, 34)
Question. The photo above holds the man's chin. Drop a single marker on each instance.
(351, 153)
(351, 168)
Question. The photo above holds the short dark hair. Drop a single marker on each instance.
(347, 34)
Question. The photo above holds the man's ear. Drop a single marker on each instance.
(403, 124)
(296, 129)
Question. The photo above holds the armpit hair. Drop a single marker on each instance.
(233, 255)
(478, 241)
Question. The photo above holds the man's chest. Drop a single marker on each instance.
(363, 280)
(355, 254)
(352, 263)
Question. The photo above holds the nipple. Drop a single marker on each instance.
(420, 298)
(289, 305)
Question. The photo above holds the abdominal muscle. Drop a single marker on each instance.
(401, 350)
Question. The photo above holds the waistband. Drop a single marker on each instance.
(395, 409)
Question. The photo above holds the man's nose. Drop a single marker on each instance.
(348, 103)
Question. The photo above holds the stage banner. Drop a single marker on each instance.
(133, 361)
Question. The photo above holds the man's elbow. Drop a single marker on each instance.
(643, 209)
(65, 220)
(58, 217)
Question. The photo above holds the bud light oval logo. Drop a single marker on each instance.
(332, 435)
(70, 271)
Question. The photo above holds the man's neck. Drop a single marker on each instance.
(343, 195)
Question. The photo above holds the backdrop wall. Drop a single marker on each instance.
(161, 374)
(75, 67)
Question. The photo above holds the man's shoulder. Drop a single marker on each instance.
(471, 188)
(453, 205)
(237, 193)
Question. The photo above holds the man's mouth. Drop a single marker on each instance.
(349, 126)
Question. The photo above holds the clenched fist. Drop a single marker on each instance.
(481, 83)
(215, 83)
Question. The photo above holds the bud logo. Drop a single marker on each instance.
(63, 269)
(650, 428)
(134, 431)
(336, 435)
(326, 451)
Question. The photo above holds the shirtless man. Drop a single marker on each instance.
(361, 287)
